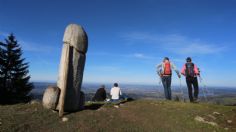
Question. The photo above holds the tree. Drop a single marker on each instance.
(14, 78)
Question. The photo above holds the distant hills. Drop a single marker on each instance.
(215, 95)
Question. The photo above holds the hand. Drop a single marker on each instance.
(179, 75)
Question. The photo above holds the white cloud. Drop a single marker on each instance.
(103, 68)
(3, 34)
(141, 56)
(35, 47)
(174, 43)
(29, 46)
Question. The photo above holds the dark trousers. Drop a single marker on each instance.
(166, 81)
(192, 82)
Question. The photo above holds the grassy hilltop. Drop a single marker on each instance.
(139, 115)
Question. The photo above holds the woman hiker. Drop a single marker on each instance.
(164, 70)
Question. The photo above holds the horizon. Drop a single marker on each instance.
(139, 84)
(127, 39)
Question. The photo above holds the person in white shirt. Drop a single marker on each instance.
(115, 93)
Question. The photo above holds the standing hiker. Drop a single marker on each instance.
(190, 71)
(164, 70)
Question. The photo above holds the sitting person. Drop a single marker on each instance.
(115, 93)
(100, 94)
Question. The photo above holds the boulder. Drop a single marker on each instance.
(50, 97)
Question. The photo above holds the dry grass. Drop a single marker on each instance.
(140, 115)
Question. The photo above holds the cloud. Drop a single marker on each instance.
(174, 43)
(29, 46)
(141, 56)
(103, 68)
(35, 47)
(3, 34)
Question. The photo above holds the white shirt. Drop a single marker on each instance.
(115, 93)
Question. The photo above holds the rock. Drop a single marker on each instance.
(202, 120)
(32, 102)
(216, 113)
(54, 111)
(229, 121)
(65, 119)
(100, 109)
(0, 123)
(212, 117)
(226, 129)
(212, 123)
(116, 106)
(50, 97)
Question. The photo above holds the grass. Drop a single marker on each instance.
(140, 115)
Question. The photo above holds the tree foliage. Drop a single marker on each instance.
(14, 78)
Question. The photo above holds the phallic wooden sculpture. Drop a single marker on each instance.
(75, 45)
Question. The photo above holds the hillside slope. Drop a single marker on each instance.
(140, 115)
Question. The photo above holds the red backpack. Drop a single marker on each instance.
(167, 68)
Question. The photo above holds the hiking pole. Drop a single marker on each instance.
(159, 86)
(204, 88)
(181, 88)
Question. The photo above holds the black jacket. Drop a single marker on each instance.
(100, 95)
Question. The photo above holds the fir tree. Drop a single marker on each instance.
(14, 78)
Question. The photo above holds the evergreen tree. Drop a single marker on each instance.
(14, 78)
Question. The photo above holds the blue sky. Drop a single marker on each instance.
(127, 38)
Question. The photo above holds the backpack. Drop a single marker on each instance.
(167, 68)
(189, 72)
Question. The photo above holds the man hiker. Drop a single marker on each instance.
(115, 93)
(190, 71)
(164, 70)
(100, 94)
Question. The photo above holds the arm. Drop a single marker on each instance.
(196, 71)
(120, 92)
(183, 70)
(175, 69)
(159, 66)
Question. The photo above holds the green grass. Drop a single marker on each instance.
(140, 115)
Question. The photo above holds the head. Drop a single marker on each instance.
(166, 59)
(189, 59)
(102, 86)
(115, 84)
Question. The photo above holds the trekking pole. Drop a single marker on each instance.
(181, 88)
(159, 86)
(204, 88)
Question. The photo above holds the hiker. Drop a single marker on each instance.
(100, 94)
(115, 93)
(164, 70)
(190, 71)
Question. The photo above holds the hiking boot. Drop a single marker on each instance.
(196, 100)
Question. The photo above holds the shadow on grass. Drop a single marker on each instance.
(98, 105)
(93, 106)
